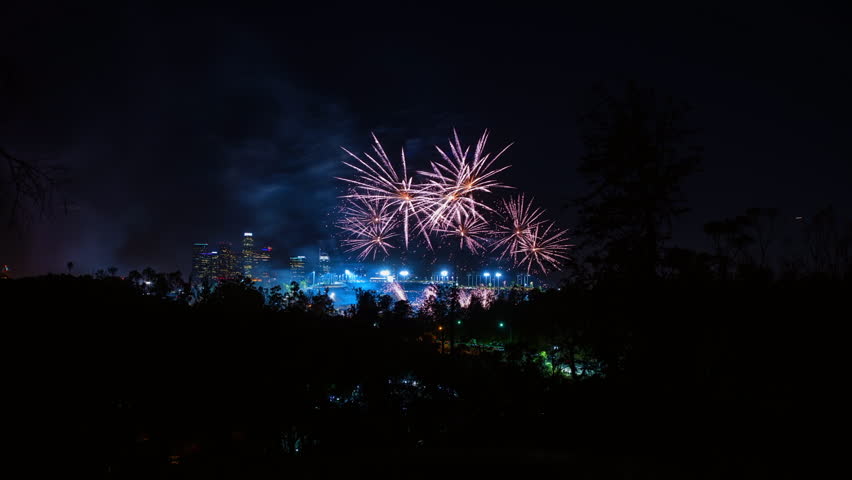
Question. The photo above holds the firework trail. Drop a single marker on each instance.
(369, 238)
(483, 295)
(521, 219)
(430, 292)
(384, 197)
(396, 290)
(545, 246)
(472, 232)
(377, 179)
(453, 182)
(358, 213)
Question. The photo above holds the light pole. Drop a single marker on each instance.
(487, 279)
(498, 275)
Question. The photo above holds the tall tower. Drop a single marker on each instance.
(262, 267)
(228, 268)
(249, 256)
(198, 261)
(297, 268)
(324, 266)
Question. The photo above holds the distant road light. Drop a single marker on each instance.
(487, 274)
(384, 273)
(403, 273)
(444, 273)
(347, 272)
(498, 274)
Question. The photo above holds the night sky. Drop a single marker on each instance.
(183, 124)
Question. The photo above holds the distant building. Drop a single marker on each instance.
(324, 263)
(249, 256)
(263, 268)
(297, 268)
(198, 262)
(208, 266)
(227, 267)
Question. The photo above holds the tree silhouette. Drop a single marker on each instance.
(637, 155)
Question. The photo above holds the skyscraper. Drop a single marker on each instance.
(198, 261)
(263, 269)
(249, 256)
(227, 268)
(324, 263)
(207, 267)
(297, 268)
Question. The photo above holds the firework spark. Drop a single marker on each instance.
(395, 289)
(521, 218)
(472, 232)
(358, 212)
(545, 246)
(377, 179)
(369, 238)
(484, 296)
(454, 181)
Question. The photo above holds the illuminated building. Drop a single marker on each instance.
(198, 261)
(227, 267)
(297, 268)
(262, 269)
(324, 263)
(249, 256)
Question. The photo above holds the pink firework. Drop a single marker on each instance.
(370, 238)
(472, 232)
(395, 289)
(377, 179)
(545, 246)
(485, 296)
(359, 212)
(454, 181)
(521, 218)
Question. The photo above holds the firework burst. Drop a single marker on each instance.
(369, 238)
(521, 218)
(544, 246)
(454, 181)
(358, 212)
(378, 180)
(472, 233)
(449, 199)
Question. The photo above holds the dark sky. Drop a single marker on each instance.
(180, 124)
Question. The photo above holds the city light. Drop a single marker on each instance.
(403, 273)
(384, 273)
(444, 273)
(347, 272)
(487, 274)
(501, 325)
(498, 274)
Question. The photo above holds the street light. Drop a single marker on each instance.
(384, 273)
(488, 278)
(403, 273)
